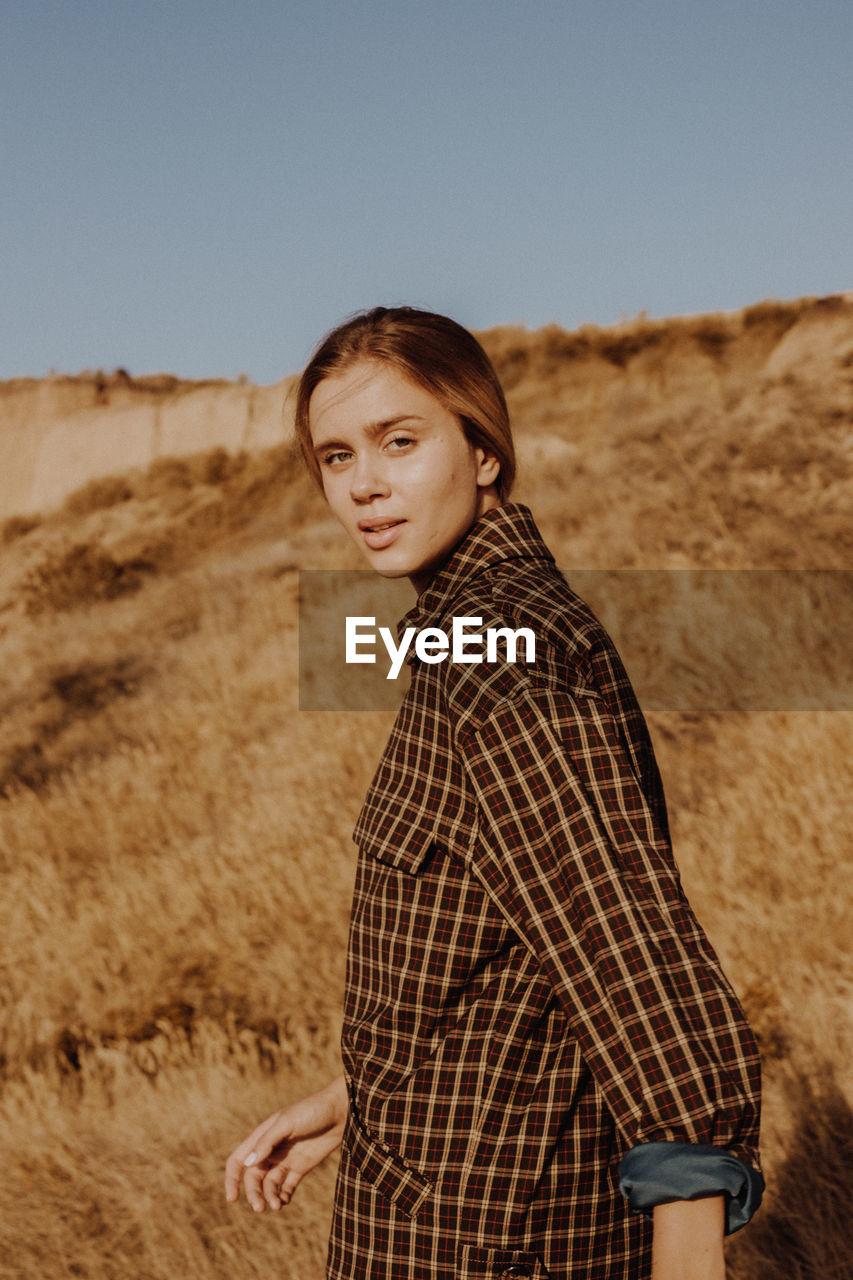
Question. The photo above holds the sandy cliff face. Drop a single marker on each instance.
(60, 432)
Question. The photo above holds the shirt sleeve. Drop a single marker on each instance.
(660, 1172)
(572, 853)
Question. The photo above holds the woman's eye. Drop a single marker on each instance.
(402, 441)
(331, 458)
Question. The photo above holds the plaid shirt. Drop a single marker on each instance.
(529, 995)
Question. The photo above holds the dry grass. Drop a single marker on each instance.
(174, 841)
(170, 971)
(804, 1231)
(681, 443)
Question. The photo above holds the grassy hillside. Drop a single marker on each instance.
(174, 832)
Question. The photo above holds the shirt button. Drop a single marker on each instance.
(515, 1269)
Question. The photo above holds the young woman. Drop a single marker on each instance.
(546, 1073)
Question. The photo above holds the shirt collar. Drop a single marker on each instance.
(507, 532)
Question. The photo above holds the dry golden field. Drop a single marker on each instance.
(174, 831)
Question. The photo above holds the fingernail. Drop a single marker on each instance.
(250, 1158)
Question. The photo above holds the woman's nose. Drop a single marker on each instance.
(367, 478)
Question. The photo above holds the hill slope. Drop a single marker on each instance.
(175, 832)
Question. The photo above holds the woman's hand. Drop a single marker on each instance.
(687, 1240)
(275, 1157)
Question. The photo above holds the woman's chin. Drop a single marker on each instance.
(390, 571)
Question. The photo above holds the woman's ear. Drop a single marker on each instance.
(488, 466)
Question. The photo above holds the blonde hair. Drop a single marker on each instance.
(430, 350)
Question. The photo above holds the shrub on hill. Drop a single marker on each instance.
(17, 527)
(80, 574)
(98, 495)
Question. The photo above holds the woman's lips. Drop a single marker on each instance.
(383, 535)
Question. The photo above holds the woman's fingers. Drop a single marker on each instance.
(273, 1186)
(247, 1163)
(233, 1174)
(267, 1137)
(275, 1157)
(279, 1185)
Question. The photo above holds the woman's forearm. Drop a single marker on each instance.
(687, 1243)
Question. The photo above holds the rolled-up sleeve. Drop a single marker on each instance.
(660, 1172)
(574, 855)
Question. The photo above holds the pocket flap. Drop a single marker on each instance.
(385, 1169)
(396, 834)
(476, 1263)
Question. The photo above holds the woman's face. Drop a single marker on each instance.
(397, 469)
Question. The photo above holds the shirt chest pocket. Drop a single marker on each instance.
(406, 843)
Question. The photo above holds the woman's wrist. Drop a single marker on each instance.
(338, 1099)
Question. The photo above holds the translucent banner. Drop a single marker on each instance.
(690, 639)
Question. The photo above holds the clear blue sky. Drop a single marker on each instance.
(205, 187)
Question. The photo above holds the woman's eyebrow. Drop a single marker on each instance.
(372, 429)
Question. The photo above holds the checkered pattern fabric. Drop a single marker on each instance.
(529, 995)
